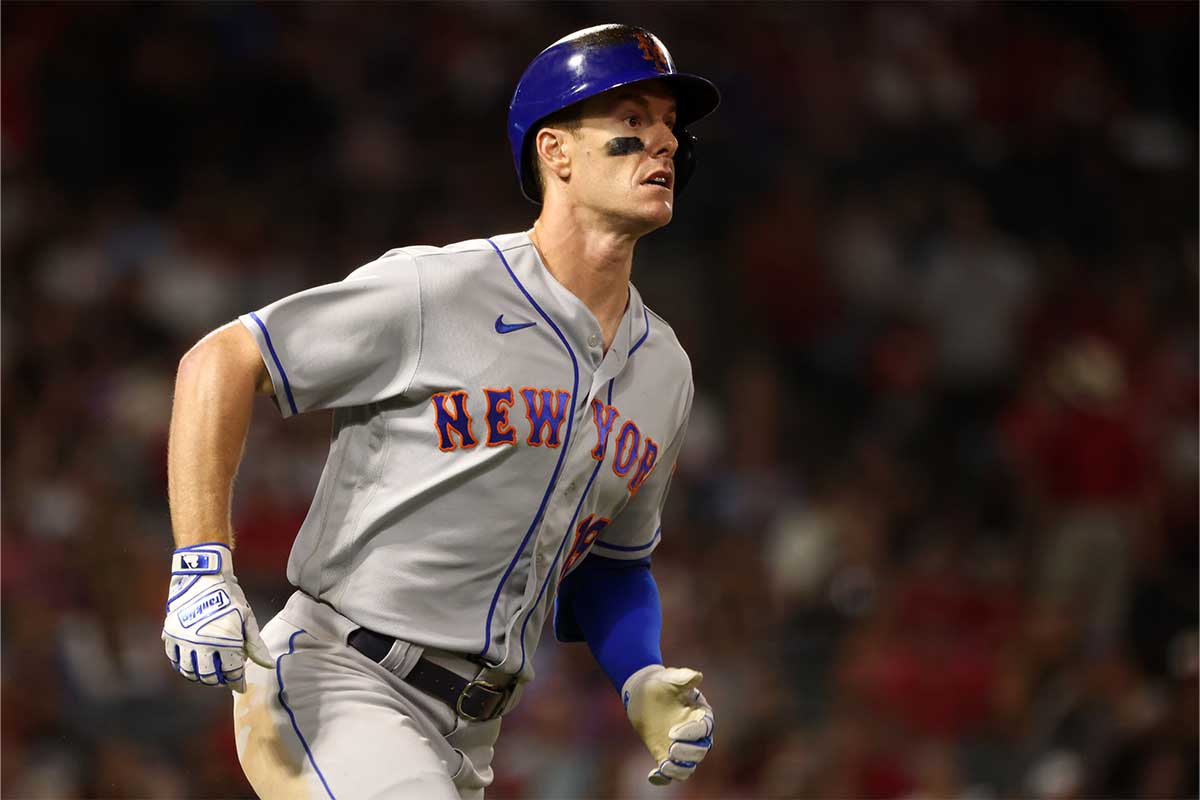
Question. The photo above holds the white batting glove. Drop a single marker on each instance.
(672, 717)
(210, 628)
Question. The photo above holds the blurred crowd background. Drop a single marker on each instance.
(934, 533)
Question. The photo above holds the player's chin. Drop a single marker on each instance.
(656, 212)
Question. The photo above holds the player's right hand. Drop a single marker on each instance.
(210, 628)
(673, 718)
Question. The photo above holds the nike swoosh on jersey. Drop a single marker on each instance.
(504, 327)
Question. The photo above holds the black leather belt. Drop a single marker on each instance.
(474, 700)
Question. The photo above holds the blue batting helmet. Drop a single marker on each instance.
(592, 61)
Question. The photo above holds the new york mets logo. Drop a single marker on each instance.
(653, 52)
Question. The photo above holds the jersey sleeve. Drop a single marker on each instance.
(343, 344)
(637, 529)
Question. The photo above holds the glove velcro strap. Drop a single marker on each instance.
(199, 560)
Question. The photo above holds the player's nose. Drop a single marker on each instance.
(663, 142)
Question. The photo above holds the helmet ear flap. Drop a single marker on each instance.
(685, 160)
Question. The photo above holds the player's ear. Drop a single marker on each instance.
(553, 147)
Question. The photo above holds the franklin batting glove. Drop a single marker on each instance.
(210, 628)
(672, 717)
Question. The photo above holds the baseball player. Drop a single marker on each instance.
(507, 414)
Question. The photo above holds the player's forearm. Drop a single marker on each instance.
(210, 416)
(616, 606)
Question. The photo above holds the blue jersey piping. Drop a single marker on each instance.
(287, 708)
(487, 628)
(633, 548)
(287, 386)
(566, 535)
(638, 343)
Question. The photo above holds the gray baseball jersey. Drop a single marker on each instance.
(483, 441)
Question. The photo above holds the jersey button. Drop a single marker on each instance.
(593, 340)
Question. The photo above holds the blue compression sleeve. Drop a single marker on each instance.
(614, 606)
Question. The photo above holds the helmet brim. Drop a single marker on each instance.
(695, 97)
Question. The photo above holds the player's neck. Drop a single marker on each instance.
(593, 264)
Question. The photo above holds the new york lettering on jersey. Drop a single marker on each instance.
(545, 410)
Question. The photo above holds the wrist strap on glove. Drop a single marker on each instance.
(201, 559)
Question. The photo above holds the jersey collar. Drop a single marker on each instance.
(575, 319)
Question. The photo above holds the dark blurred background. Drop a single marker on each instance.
(934, 533)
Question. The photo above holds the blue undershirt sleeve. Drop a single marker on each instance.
(614, 606)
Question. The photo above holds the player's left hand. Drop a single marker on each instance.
(671, 715)
(210, 630)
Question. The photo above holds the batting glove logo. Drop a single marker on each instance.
(196, 561)
(207, 606)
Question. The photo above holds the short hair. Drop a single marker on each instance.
(569, 119)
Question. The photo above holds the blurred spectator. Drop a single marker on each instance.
(1087, 455)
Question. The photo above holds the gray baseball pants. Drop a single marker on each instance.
(327, 722)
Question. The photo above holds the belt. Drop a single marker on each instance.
(474, 700)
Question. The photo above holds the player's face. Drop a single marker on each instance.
(623, 167)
